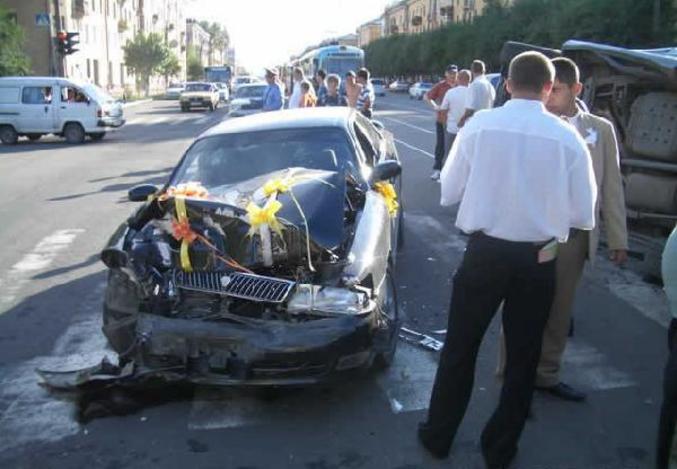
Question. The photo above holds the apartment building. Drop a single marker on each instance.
(198, 39)
(104, 27)
(369, 32)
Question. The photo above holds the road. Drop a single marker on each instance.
(60, 203)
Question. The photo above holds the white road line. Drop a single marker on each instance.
(588, 367)
(39, 258)
(412, 147)
(30, 414)
(409, 380)
(406, 124)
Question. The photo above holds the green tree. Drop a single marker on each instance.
(12, 59)
(170, 66)
(194, 68)
(218, 37)
(145, 56)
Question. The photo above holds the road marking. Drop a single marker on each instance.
(29, 414)
(420, 110)
(412, 147)
(39, 258)
(588, 367)
(406, 124)
(409, 380)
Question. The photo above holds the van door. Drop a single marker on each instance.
(36, 114)
(75, 106)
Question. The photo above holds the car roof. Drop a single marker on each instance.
(41, 80)
(251, 85)
(338, 117)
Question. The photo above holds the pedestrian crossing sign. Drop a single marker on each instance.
(42, 19)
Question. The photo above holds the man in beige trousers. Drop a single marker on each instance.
(599, 134)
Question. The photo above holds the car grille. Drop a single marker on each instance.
(238, 285)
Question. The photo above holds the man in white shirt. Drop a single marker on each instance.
(523, 178)
(454, 103)
(298, 78)
(481, 93)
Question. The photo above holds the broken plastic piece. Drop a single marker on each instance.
(422, 340)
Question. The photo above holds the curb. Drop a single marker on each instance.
(136, 103)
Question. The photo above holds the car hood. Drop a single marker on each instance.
(197, 94)
(319, 194)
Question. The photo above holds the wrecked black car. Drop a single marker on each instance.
(267, 258)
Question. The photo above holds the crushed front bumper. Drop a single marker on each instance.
(267, 353)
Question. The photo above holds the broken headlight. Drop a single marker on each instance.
(331, 300)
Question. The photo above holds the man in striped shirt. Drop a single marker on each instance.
(365, 101)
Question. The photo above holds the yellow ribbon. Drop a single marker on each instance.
(387, 190)
(182, 215)
(258, 216)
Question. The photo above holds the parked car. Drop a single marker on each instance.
(299, 299)
(174, 90)
(379, 85)
(419, 89)
(243, 80)
(224, 94)
(248, 99)
(494, 79)
(200, 94)
(399, 86)
(37, 106)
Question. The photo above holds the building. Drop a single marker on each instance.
(104, 27)
(396, 18)
(198, 39)
(369, 32)
(230, 54)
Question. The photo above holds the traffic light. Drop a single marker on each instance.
(66, 42)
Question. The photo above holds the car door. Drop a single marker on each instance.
(75, 106)
(36, 113)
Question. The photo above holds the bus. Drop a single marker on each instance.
(333, 59)
(219, 74)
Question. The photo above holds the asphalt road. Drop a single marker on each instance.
(60, 203)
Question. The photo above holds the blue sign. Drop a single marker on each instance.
(42, 19)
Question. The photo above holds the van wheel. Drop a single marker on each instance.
(74, 133)
(211, 107)
(97, 136)
(34, 137)
(8, 135)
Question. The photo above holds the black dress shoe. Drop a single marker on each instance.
(437, 453)
(563, 391)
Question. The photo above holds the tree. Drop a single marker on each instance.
(218, 37)
(12, 59)
(170, 66)
(144, 56)
(194, 68)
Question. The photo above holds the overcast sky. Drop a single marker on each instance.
(267, 32)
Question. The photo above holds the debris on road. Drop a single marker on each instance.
(422, 340)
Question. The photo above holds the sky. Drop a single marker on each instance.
(268, 32)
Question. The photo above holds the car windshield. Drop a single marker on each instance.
(175, 85)
(198, 87)
(223, 160)
(241, 80)
(98, 94)
(426, 85)
(250, 92)
(376, 82)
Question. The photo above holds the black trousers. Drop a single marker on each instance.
(441, 133)
(668, 419)
(492, 271)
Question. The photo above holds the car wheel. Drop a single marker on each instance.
(34, 137)
(74, 133)
(97, 136)
(385, 358)
(8, 135)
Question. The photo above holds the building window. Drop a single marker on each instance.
(110, 73)
(122, 75)
(89, 69)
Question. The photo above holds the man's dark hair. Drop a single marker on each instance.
(530, 71)
(322, 74)
(305, 86)
(478, 67)
(363, 73)
(566, 71)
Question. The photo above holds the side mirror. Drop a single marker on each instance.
(114, 258)
(378, 124)
(141, 192)
(386, 170)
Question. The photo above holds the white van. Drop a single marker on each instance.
(36, 106)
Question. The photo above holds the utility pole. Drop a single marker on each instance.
(55, 26)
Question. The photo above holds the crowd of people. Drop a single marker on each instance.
(322, 90)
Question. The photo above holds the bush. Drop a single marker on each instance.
(548, 23)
